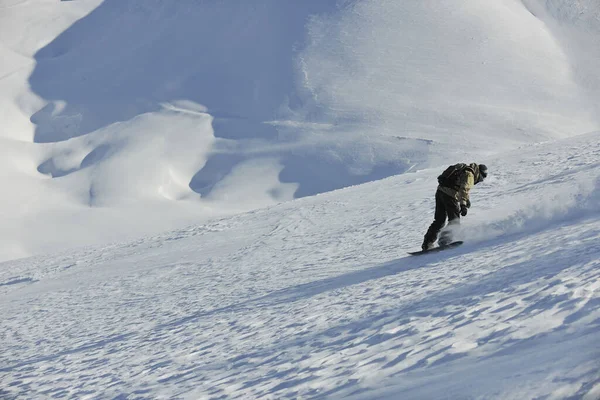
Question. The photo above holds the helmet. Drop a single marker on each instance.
(483, 171)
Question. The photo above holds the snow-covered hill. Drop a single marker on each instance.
(317, 298)
(220, 197)
(120, 118)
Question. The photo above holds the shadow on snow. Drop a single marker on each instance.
(127, 57)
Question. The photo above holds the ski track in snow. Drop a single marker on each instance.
(317, 298)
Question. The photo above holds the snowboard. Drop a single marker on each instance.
(436, 249)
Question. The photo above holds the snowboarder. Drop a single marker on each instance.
(452, 200)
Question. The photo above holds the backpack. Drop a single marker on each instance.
(449, 178)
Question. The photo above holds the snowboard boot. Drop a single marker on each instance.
(427, 246)
(445, 238)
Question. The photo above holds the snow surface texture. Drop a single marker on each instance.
(317, 298)
(126, 120)
(128, 117)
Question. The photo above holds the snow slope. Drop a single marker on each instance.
(317, 298)
(260, 170)
(121, 118)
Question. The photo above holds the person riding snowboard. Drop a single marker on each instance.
(452, 200)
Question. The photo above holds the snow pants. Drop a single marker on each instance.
(446, 207)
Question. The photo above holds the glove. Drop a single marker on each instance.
(463, 209)
(468, 203)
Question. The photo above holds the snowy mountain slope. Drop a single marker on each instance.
(317, 298)
(121, 118)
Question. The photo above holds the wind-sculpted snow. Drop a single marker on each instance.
(317, 298)
(129, 117)
(120, 119)
(461, 73)
(234, 62)
(575, 25)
